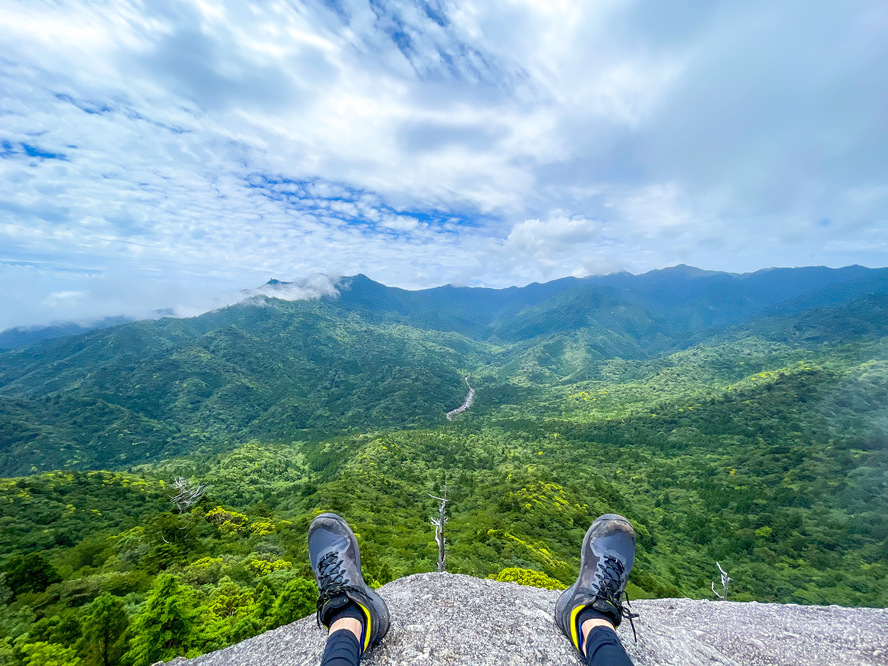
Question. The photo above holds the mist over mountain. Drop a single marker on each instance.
(20, 336)
(685, 297)
(672, 292)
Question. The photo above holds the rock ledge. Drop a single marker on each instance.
(461, 620)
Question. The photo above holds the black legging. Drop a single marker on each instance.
(343, 649)
(603, 648)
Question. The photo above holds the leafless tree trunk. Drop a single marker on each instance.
(725, 581)
(187, 495)
(439, 523)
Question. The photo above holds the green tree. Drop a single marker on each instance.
(260, 617)
(5, 592)
(49, 654)
(30, 573)
(295, 602)
(264, 609)
(227, 615)
(104, 631)
(165, 627)
(528, 577)
(64, 630)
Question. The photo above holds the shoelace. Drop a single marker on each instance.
(609, 589)
(331, 581)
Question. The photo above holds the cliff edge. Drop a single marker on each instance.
(460, 620)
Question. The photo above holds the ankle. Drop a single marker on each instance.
(593, 623)
(348, 616)
(347, 624)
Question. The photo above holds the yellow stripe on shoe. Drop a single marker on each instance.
(573, 627)
(367, 628)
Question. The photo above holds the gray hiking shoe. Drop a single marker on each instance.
(605, 562)
(333, 551)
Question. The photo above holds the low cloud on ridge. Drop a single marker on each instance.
(311, 288)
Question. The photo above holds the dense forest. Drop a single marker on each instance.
(738, 419)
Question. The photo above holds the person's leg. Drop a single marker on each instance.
(357, 617)
(601, 645)
(589, 611)
(342, 649)
(343, 643)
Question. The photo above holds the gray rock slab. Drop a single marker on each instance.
(456, 619)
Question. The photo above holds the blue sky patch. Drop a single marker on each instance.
(12, 150)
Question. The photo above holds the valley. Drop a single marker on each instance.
(738, 419)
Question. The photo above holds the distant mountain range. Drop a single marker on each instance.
(683, 298)
(377, 356)
(692, 297)
(21, 336)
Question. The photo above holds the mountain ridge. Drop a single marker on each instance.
(373, 294)
(375, 356)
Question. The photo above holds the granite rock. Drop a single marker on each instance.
(461, 620)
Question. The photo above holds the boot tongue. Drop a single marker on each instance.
(332, 606)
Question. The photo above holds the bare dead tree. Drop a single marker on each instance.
(439, 523)
(725, 581)
(188, 495)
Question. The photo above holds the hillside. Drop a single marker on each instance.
(272, 369)
(378, 357)
(761, 443)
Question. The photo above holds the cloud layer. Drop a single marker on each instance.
(154, 154)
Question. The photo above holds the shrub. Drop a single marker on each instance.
(528, 577)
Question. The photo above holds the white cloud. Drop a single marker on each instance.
(310, 288)
(653, 211)
(541, 250)
(218, 144)
(63, 297)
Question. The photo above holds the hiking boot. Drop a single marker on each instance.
(605, 562)
(333, 551)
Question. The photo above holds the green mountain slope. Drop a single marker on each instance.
(276, 369)
(695, 300)
(375, 357)
(761, 443)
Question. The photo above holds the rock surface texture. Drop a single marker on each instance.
(455, 619)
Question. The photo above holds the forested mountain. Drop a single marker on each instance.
(269, 367)
(738, 418)
(684, 297)
(373, 356)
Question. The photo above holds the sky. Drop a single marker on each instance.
(167, 154)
